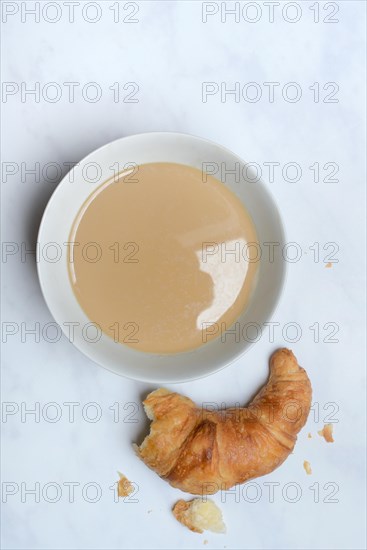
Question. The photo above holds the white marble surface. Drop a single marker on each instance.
(169, 53)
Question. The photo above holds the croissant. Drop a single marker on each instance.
(202, 451)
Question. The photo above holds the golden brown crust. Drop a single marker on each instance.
(174, 417)
(201, 451)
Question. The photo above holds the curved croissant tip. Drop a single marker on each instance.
(285, 352)
(284, 358)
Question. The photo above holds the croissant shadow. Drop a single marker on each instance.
(143, 427)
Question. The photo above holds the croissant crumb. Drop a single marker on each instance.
(124, 486)
(203, 451)
(307, 467)
(199, 515)
(327, 433)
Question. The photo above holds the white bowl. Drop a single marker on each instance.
(55, 230)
